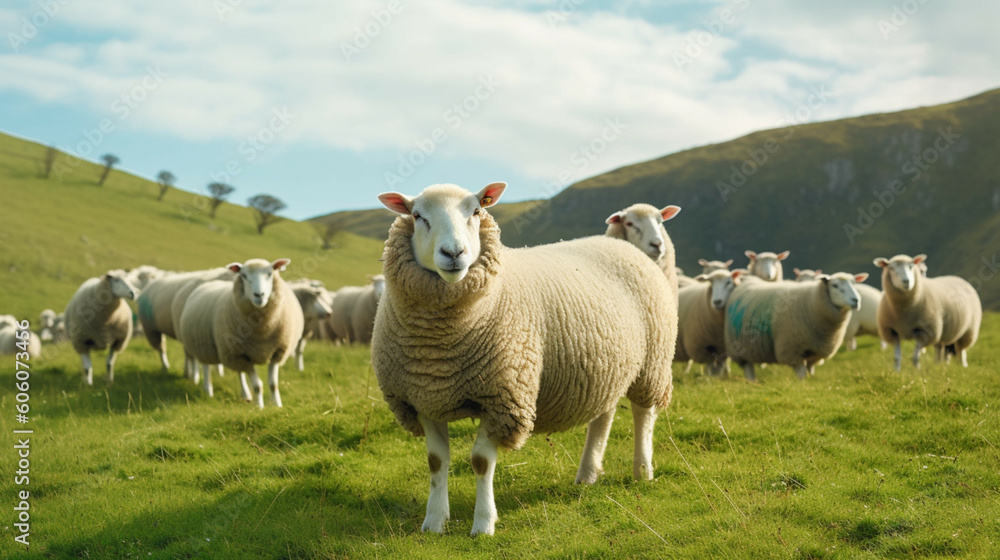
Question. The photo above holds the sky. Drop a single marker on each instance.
(327, 104)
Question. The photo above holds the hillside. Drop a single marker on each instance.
(56, 234)
(823, 191)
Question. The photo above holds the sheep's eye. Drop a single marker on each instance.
(629, 224)
(475, 212)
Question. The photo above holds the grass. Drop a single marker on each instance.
(856, 462)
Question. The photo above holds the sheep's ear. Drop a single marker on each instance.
(669, 212)
(281, 264)
(615, 218)
(784, 255)
(737, 273)
(919, 258)
(797, 271)
(819, 271)
(702, 262)
(751, 255)
(881, 262)
(398, 203)
(235, 267)
(860, 277)
(823, 278)
(491, 194)
(701, 278)
(728, 263)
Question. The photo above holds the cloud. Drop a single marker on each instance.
(360, 78)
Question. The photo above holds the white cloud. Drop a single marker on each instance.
(556, 84)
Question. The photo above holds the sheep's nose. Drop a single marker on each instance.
(452, 253)
(717, 302)
(258, 294)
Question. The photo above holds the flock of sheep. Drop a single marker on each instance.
(525, 340)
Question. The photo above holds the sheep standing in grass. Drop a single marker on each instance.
(98, 317)
(253, 319)
(862, 321)
(793, 323)
(527, 340)
(315, 304)
(15, 340)
(944, 312)
(701, 320)
(766, 265)
(363, 311)
(642, 226)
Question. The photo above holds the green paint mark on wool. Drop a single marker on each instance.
(735, 314)
(145, 307)
(759, 321)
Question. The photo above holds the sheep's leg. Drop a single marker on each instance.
(300, 349)
(687, 368)
(208, 380)
(916, 355)
(244, 388)
(272, 382)
(748, 372)
(192, 366)
(898, 355)
(965, 358)
(852, 345)
(801, 370)
(591, 465)
(438, 460)
(222, 371)
(812, 369)
(643, 420)
(884, 344)
(88, 368)
(163, 356)
(258, 386)
(112, 356)
(484, 462)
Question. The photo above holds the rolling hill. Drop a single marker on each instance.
(836, 194)
(57, 233)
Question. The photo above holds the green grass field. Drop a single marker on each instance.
(856, 462)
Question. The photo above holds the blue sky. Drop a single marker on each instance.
(322, 103)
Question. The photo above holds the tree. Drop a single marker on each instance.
(109, 161)
(219, 192)
(327, 231)
(166, 180)
(50, 160)
(265, 208)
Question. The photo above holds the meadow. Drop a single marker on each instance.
(857, 461)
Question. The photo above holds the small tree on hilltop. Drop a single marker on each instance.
(166, 180)
(219, 192)
(109, 161)
(266, 208)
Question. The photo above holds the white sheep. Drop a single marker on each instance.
(98, 317)
(18, 341)
(315, 304)
(862, 321)
(793, 323)
(766, 265)
(338, 326)
(642, 226)
(708, 267)
(701, 320)
(944, 312)
(253, 319)
(363, 311)
(806, 274)
(46, 322)
(529, 340)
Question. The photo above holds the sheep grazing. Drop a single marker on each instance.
(533, 340)
(804, 275)
(15, 340)
(944, 312)
(642, 226)
(701, 320)
(708, 267)
(766, 265)
(793, 323)
(315, 304)
(46, 322)
(98, 317)
(155, 306)
(253, 319)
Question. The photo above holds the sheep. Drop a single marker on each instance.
(642, 226)
(701, 320)
(806, 274)
(363, 311)
(533, 340)
(253, 319)
(155, 306)
(17, 340)
(766, 265)
(142, 276)
(944, 311)
(181, 295)
(338, 325)
(793, 323)
(46, 321)
(59, 333)
(682, 279)
(708, 267)
(315, 304)
(97, 317)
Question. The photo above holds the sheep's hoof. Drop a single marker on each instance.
(433, 524)
(485, 527)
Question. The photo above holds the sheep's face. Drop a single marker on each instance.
(766, 265)
(642, 224)
(446, 225)
(378, 282)
(708, 267)
(903, 270)
(840, 287)
(256, 276)
(47, 319)
(723, 283)
(321, 303)
(120, 286)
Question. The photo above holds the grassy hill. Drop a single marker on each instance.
(57, 233)
(823, 191)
